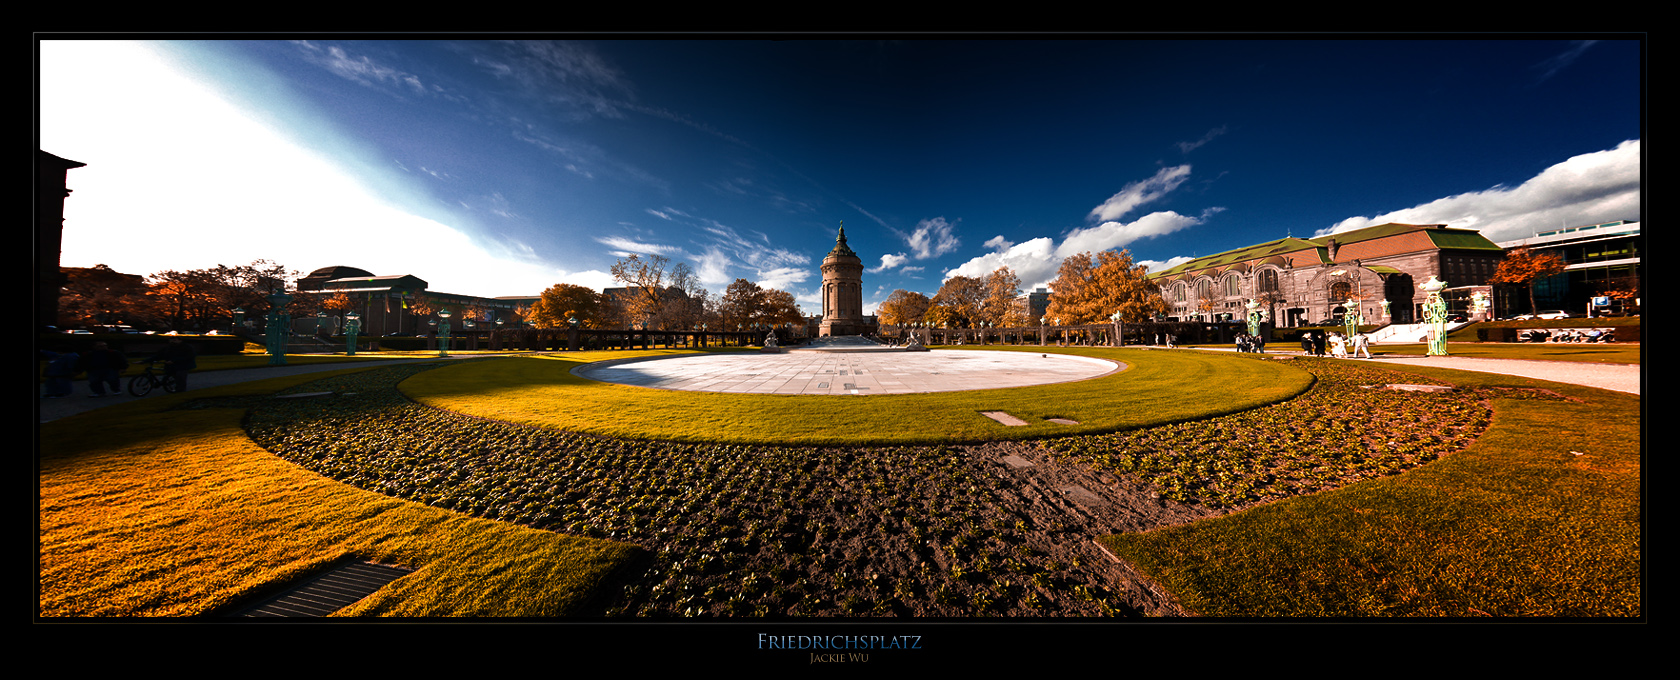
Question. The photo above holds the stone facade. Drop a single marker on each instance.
(842, 291)
(1307, 281)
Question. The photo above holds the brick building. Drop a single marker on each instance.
(1306, 281)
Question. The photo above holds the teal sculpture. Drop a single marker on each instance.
(443, 333)
(1435, 313)
(279, 326)
(352, 328)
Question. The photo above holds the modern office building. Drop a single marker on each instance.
(1598, 258)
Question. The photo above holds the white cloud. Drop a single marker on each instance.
(889, 261)
(932, 238)
(1140, 192)
(629, 246)
(1036, 261)
(712, 267)
(1158, 265)
(1591, 188)
(1111, 235)
(783, 278)
(998, 243)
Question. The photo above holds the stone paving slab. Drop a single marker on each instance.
(852, 373)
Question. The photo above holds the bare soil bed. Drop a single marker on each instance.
(999, 529)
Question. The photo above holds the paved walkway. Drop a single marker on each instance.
(79, 401)
(849, 371)
(1618, 377)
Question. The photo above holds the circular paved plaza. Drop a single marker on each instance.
(849, 373)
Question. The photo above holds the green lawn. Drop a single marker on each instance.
(1541, 516)
(543, 392)
(146, 511)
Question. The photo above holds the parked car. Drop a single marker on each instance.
(79, 331)
(1545, 314)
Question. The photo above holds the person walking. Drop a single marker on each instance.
(1318, 344)
(104, 368)
(1306, 343)
(178, 357)
(1362, 345)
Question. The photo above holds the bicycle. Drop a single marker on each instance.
(141, 385)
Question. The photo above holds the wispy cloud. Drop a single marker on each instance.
(1187, 147)
(1596, 187)
(1551, 65)
(721, 254)
(1140, 192)
(1037, 260)
(360, 68)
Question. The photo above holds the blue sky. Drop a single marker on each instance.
(502, 167)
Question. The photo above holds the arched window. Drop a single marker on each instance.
(1202, 288)
(1268, 281)
(1233, 286)
(1178, 292)
(1340, 291)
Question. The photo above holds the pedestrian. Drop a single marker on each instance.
(1318, 343)
(1260, 344)
(1362, 344)
(1306, 343)
(104, 368)
(178, 357)
(1338, 346)
(61, 367)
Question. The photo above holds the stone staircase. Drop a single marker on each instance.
(1410, 332)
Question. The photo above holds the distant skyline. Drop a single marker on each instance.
(498, 168)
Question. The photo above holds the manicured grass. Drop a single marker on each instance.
(1539, 517)
(543, 392)
(151, 512)
(145, 511)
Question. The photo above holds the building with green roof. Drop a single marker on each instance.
(1304, 281)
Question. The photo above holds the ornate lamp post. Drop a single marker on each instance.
(352, 328)
(279, 326)
(1435, 313)
(443, 332)
(1255, 316)
(238, 319)
(1351, 318)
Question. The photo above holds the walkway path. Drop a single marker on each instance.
(79, 401)
(1618, 377)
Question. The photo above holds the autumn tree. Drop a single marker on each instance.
(903, 308)
(685, 304)
(563, 302)
(1002, 286)
(746, 304)
(1523, 267)
(101, 296)
(647, 280)
(958, 302)
(1091, 289)
(741, 305)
